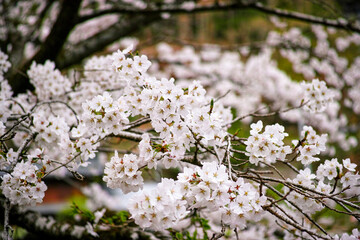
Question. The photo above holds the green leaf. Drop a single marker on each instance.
(205, 224)
(179, 236)
(123, 215)
(211, 106)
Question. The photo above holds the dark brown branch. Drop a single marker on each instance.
(297, 207)
(297, 226)
(35, 28)
(339, 23)
(240, 5)
(52, 45)
(65, 22)
(76, 53)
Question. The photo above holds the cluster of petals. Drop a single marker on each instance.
(102, 116)
(211, 187)
(148, 153)
(4, 63)
(333, 169)
(323, 181)
(22, 186)
(317, 96)
(310, 145)
(208, 187)
(266, 145)
(9, 159)
(53, 137)
(132, 68)
(87, 147)
(5, 91)
(48, 82)
(329, 169)
(50, 129)
(161, 208)
(123, 172)
(173, 110)
(355, 235)
(307, 179)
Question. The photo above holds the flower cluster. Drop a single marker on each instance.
(310, 145)
(4, 63)
(147, 154)
(332, 169)
(306, 178)
(102, 116)
(87, 147)
(5, 91)
(211, 187)
(9, 159)
(101, 75)
(355, 234)
(52, 130)
(22, 186)
(267, 146)
(131, 69)
(206, 187)
(159, 209)
(317, 95)
(123, 173)
(49, 82)
(325, 181)
(174, 111)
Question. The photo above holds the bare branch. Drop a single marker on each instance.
(255, 114)
(57, 101)
(295, 225)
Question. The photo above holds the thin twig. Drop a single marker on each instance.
(62, 165)
(14, 126)
(56, 101)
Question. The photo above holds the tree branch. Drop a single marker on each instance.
(34, 32)
(76, 53)
(52, 45)
(64, 24)
(340, 23)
